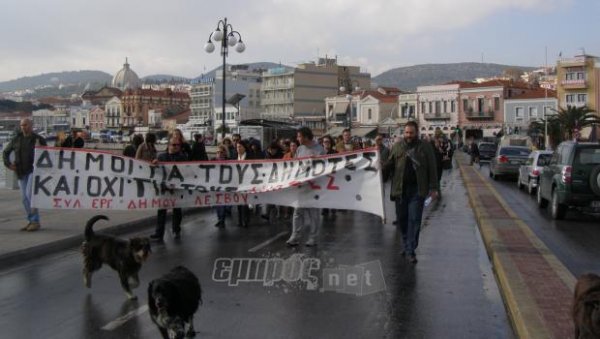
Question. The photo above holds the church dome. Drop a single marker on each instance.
(126, 78)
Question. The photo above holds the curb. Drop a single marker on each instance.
(523, 310)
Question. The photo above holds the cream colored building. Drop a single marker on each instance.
(298, 94)
(578, 81)
(112, 114)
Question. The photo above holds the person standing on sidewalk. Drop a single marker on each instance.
(308, 148)
(412, 166)
(23, 145)
(222, 154)
(174, 153)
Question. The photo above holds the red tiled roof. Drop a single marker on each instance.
(152, 93)
(538, 93)
(381, 97)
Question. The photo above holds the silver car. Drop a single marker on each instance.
(530, 172)
(507, 161)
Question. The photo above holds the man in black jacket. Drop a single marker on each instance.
(174, 153)
(23, 146)
(198, 149)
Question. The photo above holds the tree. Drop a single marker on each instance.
(573, 119)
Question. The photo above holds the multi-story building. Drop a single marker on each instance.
(137, 103)
(298, 94)
(522, 109)
(101, 96)
(79, 117)
(437, 106)
(578, 82)
(207, 94)
(51, 121)
(112, 114)
(481, 105)
(408, 107)
(96, 119)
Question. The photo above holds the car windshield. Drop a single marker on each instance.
(514, 151)
(587, 156)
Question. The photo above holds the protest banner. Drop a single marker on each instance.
(86, 179)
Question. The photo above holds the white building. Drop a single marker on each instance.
(437, 106)
(112, 114)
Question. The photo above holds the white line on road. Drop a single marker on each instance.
(125, 318)
(263, 244)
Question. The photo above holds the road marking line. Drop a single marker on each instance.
(125, 318)
(263, 244)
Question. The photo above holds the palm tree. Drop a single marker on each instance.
(572, 119)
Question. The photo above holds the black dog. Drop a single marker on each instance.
(173, 299)
(125, 257)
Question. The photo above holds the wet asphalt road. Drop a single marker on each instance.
(573, 240)
(450, 293)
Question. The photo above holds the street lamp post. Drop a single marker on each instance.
(228, 39)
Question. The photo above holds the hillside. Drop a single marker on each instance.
(408, 78)
(74, 78)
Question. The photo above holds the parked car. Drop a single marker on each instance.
(571, 179)
(529, 173)
(507, 161)
(487, 150)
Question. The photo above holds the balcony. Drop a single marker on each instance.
(489, 115)
(574, 84)
(436, 116)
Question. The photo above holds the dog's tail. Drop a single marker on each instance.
(89, 232)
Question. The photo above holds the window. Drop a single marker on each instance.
(582, 97)
(422, 107)
(570, 98)
(465, 104)
(452, 106)
(369, 115)
(519, 113)
(438, 108)
(445, 106)
(496, 103)
(480, 104)
(533, 112)
(580, 76)
(430, 107)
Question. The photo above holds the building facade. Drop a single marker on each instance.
(136, 103)
(523, 109)
(437, 106)
(112, 114)
(298, 94)
(96, 119)
(578, 82)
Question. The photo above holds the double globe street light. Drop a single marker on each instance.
(227, 36)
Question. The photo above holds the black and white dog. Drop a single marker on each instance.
(173, 299)
(124, 256)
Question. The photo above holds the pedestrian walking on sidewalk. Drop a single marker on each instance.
(23, 146)
(474, 152)
(308, 147)
(413, 169)
(174, 153)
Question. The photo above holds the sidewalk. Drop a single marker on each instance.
(61, 229)
(537, 288)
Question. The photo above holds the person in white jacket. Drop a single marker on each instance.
(308, 147)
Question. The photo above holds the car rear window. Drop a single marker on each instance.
(587, 156)
(514, 151)
(487, 147)
(544, 158)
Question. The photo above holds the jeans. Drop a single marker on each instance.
(161, 220)
(409, 211)
(221, 211)
(25, 185)
(301, 217)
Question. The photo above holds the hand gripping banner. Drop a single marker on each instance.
(85, 179)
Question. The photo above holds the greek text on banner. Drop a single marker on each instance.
(84, 179)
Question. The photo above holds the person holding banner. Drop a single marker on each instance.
(308, 148)
(243, 153)
(222, 154)
(23, 146)
(174, 153)
(412, 167)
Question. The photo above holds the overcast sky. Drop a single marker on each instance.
(167, 37)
